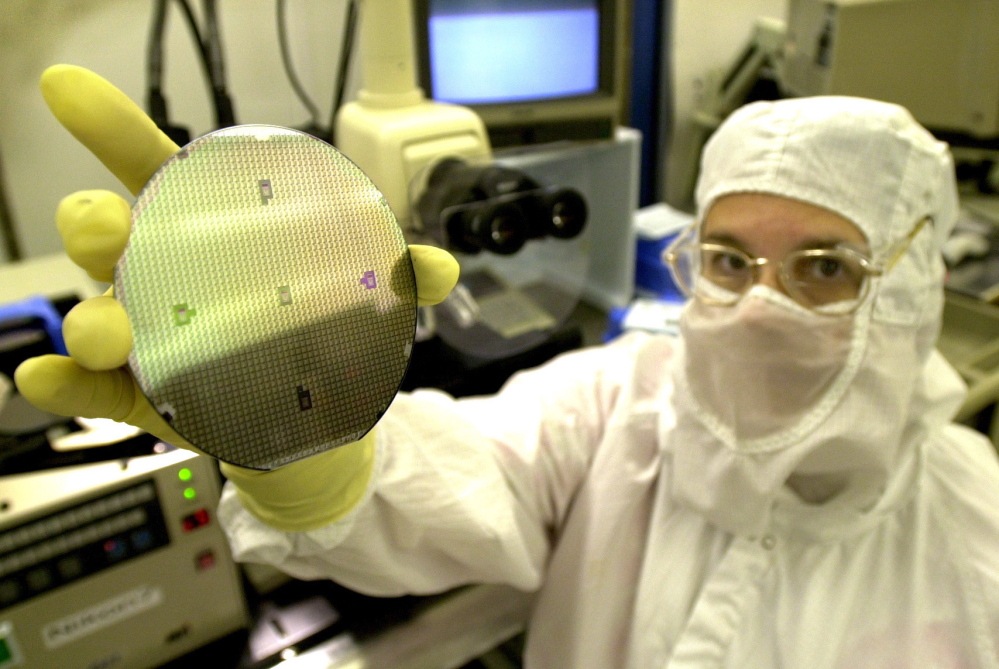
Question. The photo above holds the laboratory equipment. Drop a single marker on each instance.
(606, 174)
(506, 303)
(470, 209)
(392, 131)
(969, 340)
(753, 75)
(270, 293)
(117, 564)
(937, 58)
(536, 72)
(523, 261)
(28, 327)
(402, 140)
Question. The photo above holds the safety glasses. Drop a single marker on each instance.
(830, 281)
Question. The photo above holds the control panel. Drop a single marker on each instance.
(119, 564)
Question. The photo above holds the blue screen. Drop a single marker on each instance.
(507, 56)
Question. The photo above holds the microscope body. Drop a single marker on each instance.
(392, 131)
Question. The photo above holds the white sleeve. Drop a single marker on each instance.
(463, 491)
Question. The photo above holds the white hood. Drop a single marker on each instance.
(871, 163)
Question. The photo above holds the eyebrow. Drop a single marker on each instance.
(807, 244)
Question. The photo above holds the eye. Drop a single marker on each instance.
(721, 262)
(827, 268)
(827, 271)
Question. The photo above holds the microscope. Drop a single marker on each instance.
(434, 164)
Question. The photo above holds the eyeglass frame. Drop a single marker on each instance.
(870, 267)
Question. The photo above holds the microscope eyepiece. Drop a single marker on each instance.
(495, 208)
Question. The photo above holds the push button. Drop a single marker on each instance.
(199, 518)
(205, 560)
(9, 592)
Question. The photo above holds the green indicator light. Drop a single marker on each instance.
(189, 493)
(184, 474)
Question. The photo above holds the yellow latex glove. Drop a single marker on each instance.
(92, 381)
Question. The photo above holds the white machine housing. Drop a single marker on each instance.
(937, 58)
(392, 131)
(116, 564)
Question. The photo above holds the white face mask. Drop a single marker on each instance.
(756, 368)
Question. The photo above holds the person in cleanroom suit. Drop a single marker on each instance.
(781, 486)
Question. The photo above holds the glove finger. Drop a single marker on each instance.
(436, 273)
(107, 122)
(94, 226)
(97, 333)
(56, 384)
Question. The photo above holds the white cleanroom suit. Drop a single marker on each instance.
(640, 487)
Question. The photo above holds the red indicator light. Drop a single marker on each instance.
(205, 560)
(197, 519)
(115, 550)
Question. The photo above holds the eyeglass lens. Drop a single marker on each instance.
(813, 278)
(818, 278)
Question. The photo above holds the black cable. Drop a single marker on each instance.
(289, 68)
(199, 40)
(156, 103)
(209, 49)
(216, 69)
(154, 54)
(346, 51)
(224, 114)
(7, 223)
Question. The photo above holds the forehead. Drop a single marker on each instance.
(768, 221)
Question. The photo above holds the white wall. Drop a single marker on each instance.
(43, 163)
(706, 35)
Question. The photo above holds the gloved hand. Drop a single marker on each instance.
(92, 381)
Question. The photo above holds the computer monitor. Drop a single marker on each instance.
(536, 71)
